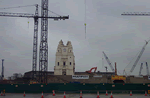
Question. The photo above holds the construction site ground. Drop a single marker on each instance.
(47, 95)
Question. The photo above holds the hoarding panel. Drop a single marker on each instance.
(80, 76)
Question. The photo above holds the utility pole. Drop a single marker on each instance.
(115, 69)
(106, 73)
(2, 69)
(106, 68)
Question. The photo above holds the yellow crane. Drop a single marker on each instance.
(117, 77)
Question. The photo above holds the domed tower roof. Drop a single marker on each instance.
(61, 43)
(69, 44)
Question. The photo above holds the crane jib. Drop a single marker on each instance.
(139, 56)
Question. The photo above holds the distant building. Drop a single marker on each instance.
(29, 74)
(65, 63)
(65, 59)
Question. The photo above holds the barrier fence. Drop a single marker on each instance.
(75, 88)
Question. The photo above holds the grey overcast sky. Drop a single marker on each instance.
(120, 37)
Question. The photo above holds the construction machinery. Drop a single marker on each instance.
(142, 68)
(137, 14)
(43, 53)
(114, 77)
(138, 58)
(117, 77)
(90, 71)
(108, 61)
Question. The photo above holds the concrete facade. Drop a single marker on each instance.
(65, 59)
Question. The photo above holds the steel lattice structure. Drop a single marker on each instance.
(35, 43)
(43, 54)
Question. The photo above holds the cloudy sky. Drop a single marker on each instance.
(120, 37)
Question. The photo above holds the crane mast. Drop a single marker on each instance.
(35, 44)
(147, 69)
(141, 69)
(43, 53)
(109, 63)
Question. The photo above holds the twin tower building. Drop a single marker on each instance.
(65, 59)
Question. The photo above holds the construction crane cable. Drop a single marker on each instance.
(28, 6)
(16, 7)
(85, 19)
(51, 11)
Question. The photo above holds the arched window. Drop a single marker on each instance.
(58, 63)
(64, 63)
(70, 63)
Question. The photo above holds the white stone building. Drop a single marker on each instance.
(65, 59)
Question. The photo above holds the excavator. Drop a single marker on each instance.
(90, 71)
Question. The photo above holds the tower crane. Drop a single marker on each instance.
(138, 58)
(108, 61)
(142, 68)
(43, 54)
(136, 14)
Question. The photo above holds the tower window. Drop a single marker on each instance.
(58, 63)
(64, 49)
(58, 50)
(70, 63)
(64, 63)
(70, 50)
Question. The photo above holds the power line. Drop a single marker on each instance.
(17, 7)
(28, 6)
(85, 18)
(51, 11)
